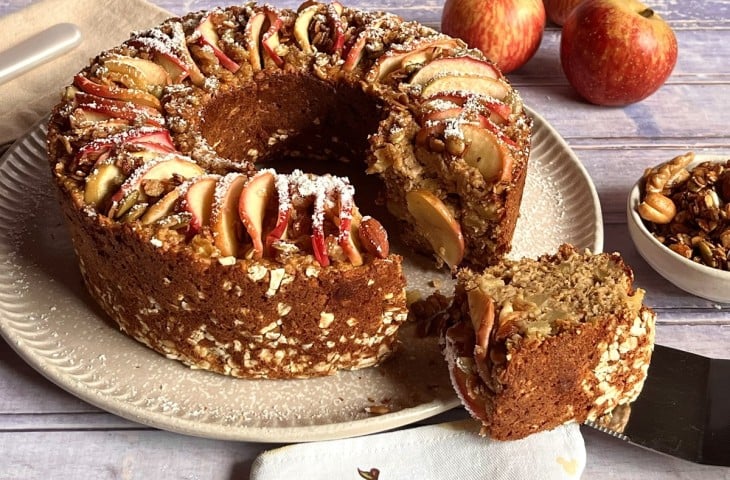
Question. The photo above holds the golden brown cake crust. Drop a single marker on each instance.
(205, 101)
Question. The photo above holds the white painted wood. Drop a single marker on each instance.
(47, 433)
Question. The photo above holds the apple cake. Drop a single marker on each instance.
(536, 343)
(195, 163)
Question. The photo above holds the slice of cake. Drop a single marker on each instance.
(538, 343)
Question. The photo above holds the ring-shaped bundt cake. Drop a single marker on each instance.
(164, 150)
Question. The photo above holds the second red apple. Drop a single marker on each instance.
(507, 31)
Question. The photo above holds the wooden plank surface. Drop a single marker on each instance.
(48, 433)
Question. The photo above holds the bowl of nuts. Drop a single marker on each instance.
(679, 219)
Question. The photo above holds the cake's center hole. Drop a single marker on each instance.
(291, 121)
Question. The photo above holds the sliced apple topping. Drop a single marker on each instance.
(100, 89)
(163, 168)
(270, 39)
(253, 204)
(497, 111)
(481, 311)
(470, 84)
(357, 51)
(398, 59)
(437, 225)
(164, 207)
(146, 138)
(301, 27)
(93, 108)
(337, 26)
(348, 220)
(283, 214)
(454, 66)
(197, 199)
(134, 72)
(103, 179)
(209, 37)
(252, 32)
(484, 152)
(224, 219)
(171, 52)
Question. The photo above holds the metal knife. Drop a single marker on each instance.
(41, 47)
(683, 409)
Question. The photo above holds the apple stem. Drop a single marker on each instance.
(647, 13)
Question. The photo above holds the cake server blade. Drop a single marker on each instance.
(37, 49)
(682, 411)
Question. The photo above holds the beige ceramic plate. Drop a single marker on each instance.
(47, 317)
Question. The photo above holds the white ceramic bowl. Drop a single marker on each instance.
(697, 279)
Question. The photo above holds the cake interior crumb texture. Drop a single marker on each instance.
(540, 342)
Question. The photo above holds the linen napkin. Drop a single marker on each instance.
(103, 24)
(452, 450)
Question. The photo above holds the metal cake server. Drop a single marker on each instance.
(37, 49)
(683, 410)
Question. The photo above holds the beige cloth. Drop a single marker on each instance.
(103, 24)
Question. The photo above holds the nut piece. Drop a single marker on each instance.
(663, 177)
(657, 208)
(373, 237)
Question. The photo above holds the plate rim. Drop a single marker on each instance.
(263, 434)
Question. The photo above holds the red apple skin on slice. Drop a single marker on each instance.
(160, 169)
(224, 219)
(393, 60)
(466, 83)
(454, 66)
(253, 33)
(499, 111)
(198, 200)
(209, 37)
(110, 91)
(111, 108)
(254, 201)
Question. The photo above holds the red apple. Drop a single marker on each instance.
(616, 52)
(507, 31)
(558, 10)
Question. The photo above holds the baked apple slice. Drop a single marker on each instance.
(283, 214)
(162, 168)
(162, 208)
(454, 66)
(426, 49)
(99, 109)
(139, 97)
(498, 112)
(255, 200)
(137, 73)
(105, 178)
(484, 152)
(171, 52)
(154, 139)
(209, 37)
(469, 84)
(301, 27)
(270, 40)
(198, 200)
(337, 26)
(458, 351)
(224, 218)
(253, 32)
(436, 223)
